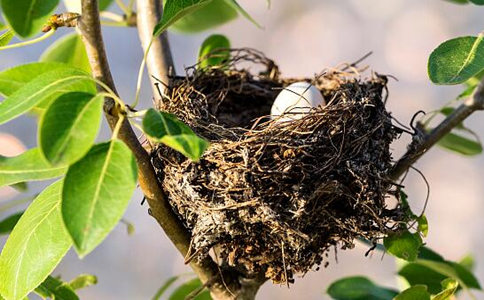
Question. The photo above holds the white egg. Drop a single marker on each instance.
(296, 100)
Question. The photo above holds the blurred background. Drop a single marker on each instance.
(303, 37)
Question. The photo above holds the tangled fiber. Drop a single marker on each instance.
(271, 196)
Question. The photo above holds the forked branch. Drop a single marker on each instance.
(421, 144)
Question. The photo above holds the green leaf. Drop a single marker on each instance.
(35, 246)
(7, 224)
(477, 2)
(83, 281)
(166, 285)
(45, 88)
(6, 37)
(449, 287)
(460, 144)
(213, 42)
(69, 127)
(96, 192)
(184, 290)
(359, 288)
(3, 26)
(69, 50)
(20, 186)
(468, 262)
(215, 13)
(28, 166)
(459, 1)
(429, 254)
(431, 273)
(167, 129)
(55, 288)
(417, 292)
(27, 17)
(404, 245)
(14, 78)
(415, 273)
(174, 10)
(243, 12)
(457, 60)
(423, 225)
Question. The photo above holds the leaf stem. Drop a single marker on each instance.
(29, 42)
(123, 7)
(140, 75)
(117, 127)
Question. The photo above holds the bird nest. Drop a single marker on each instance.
(271, 196)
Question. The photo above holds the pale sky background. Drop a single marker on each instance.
(303, 37)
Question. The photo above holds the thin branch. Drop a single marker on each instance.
(421, 144)
(159, 59)
(161, 210)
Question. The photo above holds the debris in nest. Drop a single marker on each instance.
(271, 196)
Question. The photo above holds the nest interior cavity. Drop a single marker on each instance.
(271, 196)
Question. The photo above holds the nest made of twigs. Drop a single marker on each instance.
(271, 196)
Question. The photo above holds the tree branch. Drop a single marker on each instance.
(159, 60)
(161, 210)
(420, 145)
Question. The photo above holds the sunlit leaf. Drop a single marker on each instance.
(359, 288)
(404, 245)
(14, 78)
(83, 281)
(69, 50)
(167, 129)
(69, 127)
(457, 60)
(174, 10)
(215, 13)
(28, 166)
(449, 287)
(27, 17)
(214, 42)
(6, 37)
(96, 192)
(423, 225)
(35, 247)
(46, 87)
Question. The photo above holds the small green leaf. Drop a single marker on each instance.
(55, 288)
(27, 17)
(459, 1)
(174, 10)
(457, 60)
(28, 166)
(14, 78)
(214, 42)
(423, 225)
(477, 2)
(7, 224)
(45, 88)
(460, 144)
(359, 288)
(96, 192)
(449, 287)
(404, 245)
(6, 37)
(215, 13)
(69, 50)
(83, 281)
(184, 290)
(468, 262)
(69, 127)
(35, 246)
(415, 273)
(417, 292)
(20, 186)
(243, 12)
(167, 129)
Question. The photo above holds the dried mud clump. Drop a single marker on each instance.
(271, 196)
